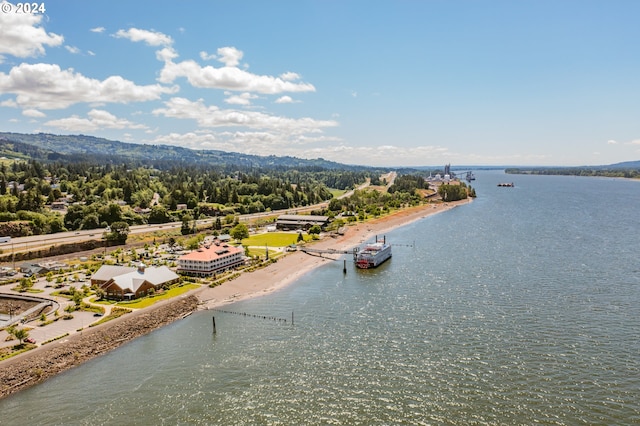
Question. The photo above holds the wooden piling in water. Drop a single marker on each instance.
(214, 324)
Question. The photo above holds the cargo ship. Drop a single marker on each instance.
(373, 254)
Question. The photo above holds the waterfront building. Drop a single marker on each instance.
(210, 259)
(125, 282)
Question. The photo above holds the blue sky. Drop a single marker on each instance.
(385, 83)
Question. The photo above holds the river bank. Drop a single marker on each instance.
(38, 365)
(44, 362)
(297, 264)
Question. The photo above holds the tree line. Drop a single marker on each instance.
(100, 195)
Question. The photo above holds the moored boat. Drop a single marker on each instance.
(373, 254)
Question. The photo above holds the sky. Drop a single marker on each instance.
(377, 83)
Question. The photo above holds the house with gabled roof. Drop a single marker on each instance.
(123, 282)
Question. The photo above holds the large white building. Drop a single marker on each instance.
(125, 282)
(210, 259)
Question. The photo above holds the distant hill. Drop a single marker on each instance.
(47, 147)
(627, 169)
(623, 165)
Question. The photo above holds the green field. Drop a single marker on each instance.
(273, 239)
(337, 192)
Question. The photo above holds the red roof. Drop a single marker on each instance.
(212, 252)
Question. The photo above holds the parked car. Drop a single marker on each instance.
(30, 340)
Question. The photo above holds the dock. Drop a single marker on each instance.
(320, 252)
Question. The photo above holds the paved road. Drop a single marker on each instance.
(35, 242)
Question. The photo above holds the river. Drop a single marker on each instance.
(522, 307)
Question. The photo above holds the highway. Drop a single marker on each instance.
(36, 242)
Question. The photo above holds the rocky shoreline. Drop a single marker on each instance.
(37, 366)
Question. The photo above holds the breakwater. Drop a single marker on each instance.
(40, 364)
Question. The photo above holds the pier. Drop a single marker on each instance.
(320, 252)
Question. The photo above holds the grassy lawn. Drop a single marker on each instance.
(337, 192)
(150, 300)
(261, 253)
(273, 239)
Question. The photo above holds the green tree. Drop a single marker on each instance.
(239, 232)
(100, 293)
(186, 224)
(159, 214)
(19, 333)
(119, 232)
(25, 284)
(315, 229)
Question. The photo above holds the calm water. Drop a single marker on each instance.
(520, 308)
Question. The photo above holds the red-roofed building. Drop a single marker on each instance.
(210, 259)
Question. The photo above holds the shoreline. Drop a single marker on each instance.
(295, 265)
(36, 366)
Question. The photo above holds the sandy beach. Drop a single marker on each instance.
(296, 264)
(35, 366)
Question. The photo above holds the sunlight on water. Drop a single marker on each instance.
(519, 308)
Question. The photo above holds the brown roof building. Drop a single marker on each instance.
(210, 259)
(121, 282)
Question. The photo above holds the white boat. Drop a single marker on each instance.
(373, 254)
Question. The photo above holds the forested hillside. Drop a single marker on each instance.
(46, 147)
(52, 183)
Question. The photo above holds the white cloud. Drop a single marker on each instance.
(152, 38)
(612, 142)
(34, 113)
(286, 100)
(91, 53)
(72, 49)
(97, 30)
(22, 36)
(166, 54)
(207, 56)
(46, 86)
(212, 116)
(290, 76)
(11, 103)
(230, 56)
(306, 146)
(228, 77)
(97, 119)
(241, 99)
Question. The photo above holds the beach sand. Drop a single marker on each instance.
(294, 265)
(35, 366)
